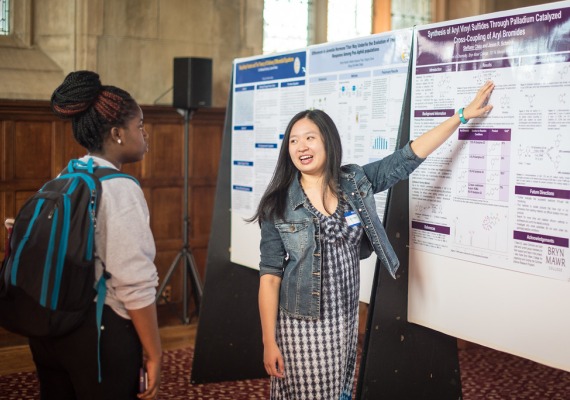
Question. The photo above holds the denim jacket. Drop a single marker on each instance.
(291, 249)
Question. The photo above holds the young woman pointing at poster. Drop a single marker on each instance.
(314, 216)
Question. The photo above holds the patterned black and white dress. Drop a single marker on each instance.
(320, 356)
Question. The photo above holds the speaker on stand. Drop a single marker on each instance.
(192, 89)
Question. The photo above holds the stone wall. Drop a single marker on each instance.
(130, 43)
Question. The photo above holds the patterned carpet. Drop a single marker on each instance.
(485, 374)
(494, 375)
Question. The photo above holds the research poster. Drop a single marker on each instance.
(498, 192)
(266, 92)
(360, 83)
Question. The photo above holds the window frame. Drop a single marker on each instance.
(20, 25)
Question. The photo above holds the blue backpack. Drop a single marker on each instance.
(47, 280)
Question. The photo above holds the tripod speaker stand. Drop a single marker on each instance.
(185, 258)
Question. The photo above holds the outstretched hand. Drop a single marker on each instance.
(479, 107)
(425, 144)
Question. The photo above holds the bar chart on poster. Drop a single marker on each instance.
(490, 210)
(360, 83)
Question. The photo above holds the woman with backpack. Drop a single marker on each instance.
(108, 123)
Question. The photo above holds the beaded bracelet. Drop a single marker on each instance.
(462, 117)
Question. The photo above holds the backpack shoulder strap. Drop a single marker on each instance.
(75, 165)
(106, 173)
(103, 173)
(101, 294)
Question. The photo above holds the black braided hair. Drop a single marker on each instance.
(93, 108)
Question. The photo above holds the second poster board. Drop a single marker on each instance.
(360, 83)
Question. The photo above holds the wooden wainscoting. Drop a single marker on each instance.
(35, 146)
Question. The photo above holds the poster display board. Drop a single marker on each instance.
(490, 209)
(360, 83)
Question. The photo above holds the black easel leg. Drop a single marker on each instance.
(185, 254)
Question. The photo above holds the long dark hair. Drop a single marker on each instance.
(272, 204)
(93, 108)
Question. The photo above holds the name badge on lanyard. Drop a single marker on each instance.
(351, 218)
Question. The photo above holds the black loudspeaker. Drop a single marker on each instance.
(192, 87)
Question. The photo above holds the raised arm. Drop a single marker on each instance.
(424, 145)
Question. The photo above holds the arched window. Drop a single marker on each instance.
(16, 23)
(4, 17)
(294, 24)
(348, 19)
(407, 13)
(285, 24)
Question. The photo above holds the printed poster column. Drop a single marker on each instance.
(498, 192)
(489, 211)
(268, 91)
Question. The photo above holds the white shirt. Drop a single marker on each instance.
(124, 242)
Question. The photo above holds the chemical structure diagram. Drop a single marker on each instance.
(524, 152)
(554, 155)
(487, 232)
(505, 102)
(444, 83)
(485, 75)
(490, 221)
(530, 99)
(564, 73)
